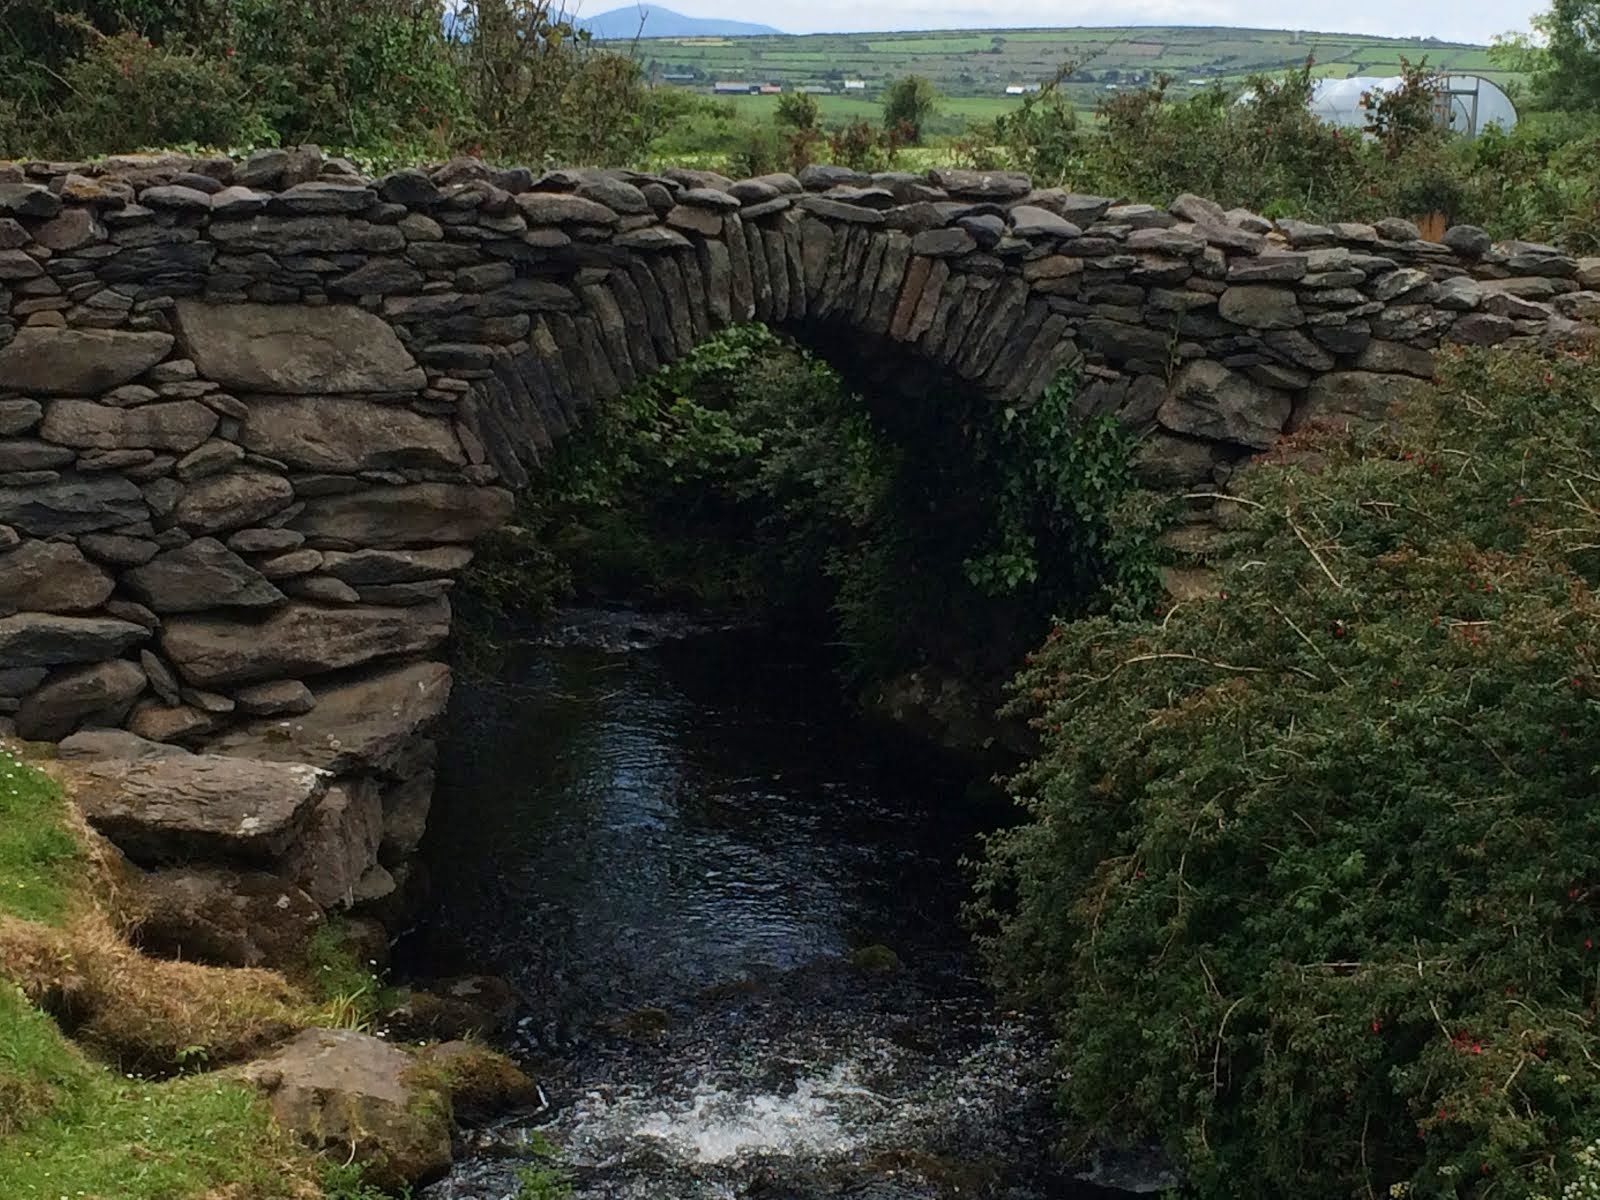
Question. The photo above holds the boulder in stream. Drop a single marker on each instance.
(357, 1098)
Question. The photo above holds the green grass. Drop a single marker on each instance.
(836, 110)
(85, 1131)
(38, 855)
(70, 1127)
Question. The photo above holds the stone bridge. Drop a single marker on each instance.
(252, 414)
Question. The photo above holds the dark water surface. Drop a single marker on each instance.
(672, 843)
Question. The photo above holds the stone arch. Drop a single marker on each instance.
(762, 250)
(253, 414)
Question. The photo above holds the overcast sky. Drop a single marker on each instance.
(1453, 20)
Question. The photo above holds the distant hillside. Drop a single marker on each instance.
(980, 64)
(657, 22)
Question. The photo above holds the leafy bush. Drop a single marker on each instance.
(1538, 180)
(1059, 484)
(749, 475)
(537, 91)
(907, 105)
(1567, 69)
(392, 78)
(125, 93)
(1266, 152)
(1308, 875)
(351, 73)
(862, 146)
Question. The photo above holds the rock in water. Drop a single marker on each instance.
(356, 1097)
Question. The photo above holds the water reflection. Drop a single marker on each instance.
(699, 827)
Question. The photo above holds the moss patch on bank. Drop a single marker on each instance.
(71, 1126)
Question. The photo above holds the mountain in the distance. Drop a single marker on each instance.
(652, 21)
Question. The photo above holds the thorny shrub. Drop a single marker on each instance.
(1309, 873)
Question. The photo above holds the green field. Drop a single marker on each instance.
(838, 109)
(973, 68)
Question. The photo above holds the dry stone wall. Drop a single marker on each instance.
(253, 414)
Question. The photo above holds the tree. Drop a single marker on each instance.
(907, 104)
(1569, 71)
(798, 111)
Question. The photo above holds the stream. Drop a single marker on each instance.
(732, 916)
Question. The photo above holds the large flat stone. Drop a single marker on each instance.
(1209, 401)
(50, 577)
(202, 575)
(78, 362)
(287, 349)
(48, 640)
(160, 810)
(413, 515)
(95, 745)
(298, 640)
(96, 694)
(72, 504)
(365, 724)
(232, 500)
(179, 425)
(395, 566)
(330, 433)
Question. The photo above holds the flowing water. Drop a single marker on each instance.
(690, 862)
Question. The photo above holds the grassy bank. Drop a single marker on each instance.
(74, 1126)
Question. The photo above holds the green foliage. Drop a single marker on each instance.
(1409, 113)
(536, 90)
(1537, 181)
(39, 858)
(1041, 136)
(396, 78)
(352, 992)
(544, 1178)
(125, 92)
(71, 1128)
(798, 110)
(862, 146)
(1267, 152)
(1307, 876)
(343, 72)
(749, 476)
(1268, 149)
(1060, 481)
(907, 105)
(347, 1181)
(1567, 72)
(719, 481)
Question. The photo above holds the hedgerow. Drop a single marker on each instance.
(1309, 872)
